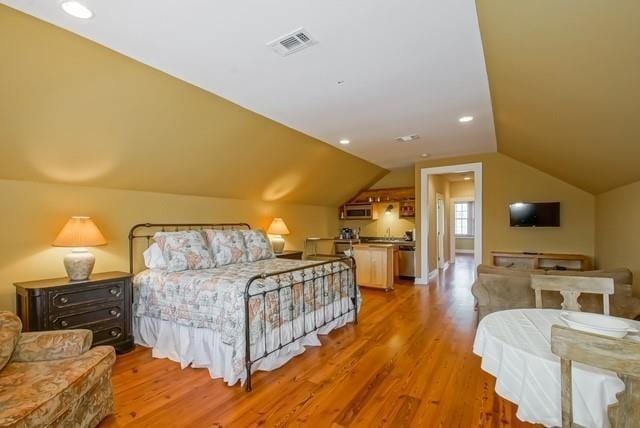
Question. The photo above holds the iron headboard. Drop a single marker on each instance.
(147, 230)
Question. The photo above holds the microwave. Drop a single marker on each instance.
(357, 211)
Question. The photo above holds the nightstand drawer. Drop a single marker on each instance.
(107, 333)
(87, 317)
(85, 294)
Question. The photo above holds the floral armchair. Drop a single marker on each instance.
(52, 378)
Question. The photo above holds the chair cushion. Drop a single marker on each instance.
(35, 394)
(10, 328)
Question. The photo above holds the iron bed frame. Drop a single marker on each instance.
(285, 281)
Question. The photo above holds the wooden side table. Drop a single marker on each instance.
(290, 254)
(101, 304)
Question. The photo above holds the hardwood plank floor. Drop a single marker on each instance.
(407, 363)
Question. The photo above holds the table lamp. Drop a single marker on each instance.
(276, 230)
(79, 232)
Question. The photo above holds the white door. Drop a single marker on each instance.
(440, 229)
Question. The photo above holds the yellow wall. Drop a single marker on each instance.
(463, 189)
(398, 177)
(507, 180)
(618, 230)
(75, 112)
(564, 86)
(33, 213)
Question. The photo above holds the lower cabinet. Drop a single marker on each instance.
(374, 265)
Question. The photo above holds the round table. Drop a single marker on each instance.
(515, 347)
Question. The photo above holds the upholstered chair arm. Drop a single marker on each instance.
(52, 345)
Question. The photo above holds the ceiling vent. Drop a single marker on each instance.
(408, 138)
(292, 42)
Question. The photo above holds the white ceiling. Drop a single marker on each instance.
(408, 66)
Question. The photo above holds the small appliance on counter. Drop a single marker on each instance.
(348, 233)
(410, 235)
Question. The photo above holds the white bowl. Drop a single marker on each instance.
(598, 324)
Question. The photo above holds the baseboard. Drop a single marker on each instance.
(423, 281)
(464, 251)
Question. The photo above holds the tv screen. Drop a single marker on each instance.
(535, 214)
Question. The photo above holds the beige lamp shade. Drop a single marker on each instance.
(278, 227)
(79, 232)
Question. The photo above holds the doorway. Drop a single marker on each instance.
(433, 242)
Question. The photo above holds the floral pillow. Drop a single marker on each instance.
(184, 250)
(258, 245)
(227, 246)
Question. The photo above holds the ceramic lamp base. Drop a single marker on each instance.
(277, 242)
(79, 264)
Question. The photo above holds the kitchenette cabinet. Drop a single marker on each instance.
(374, 265)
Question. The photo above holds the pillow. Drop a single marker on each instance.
(153, 258)
(10, 328)
(258, 245)
(184, 250)
(227, 246)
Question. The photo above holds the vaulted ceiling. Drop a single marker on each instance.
(564, 79)
(565, 86)
(72, 111)
(380, 69)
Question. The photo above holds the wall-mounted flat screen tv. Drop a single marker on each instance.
(535, 214)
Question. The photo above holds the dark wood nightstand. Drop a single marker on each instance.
(101, 304)
(290, 254)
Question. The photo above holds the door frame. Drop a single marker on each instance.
(423, 237)
(440, 212)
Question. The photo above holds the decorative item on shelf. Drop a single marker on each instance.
(276, 230)
(79, 232)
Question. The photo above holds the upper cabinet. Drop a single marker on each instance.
(361, 206)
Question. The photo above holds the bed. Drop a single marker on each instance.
(240, 317)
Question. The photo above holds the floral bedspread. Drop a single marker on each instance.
(214, 298)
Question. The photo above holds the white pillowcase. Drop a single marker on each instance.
(153, 258)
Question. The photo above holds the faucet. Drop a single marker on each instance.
(388, 233)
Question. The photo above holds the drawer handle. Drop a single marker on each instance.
(64, 299)
(114, 312)
(114, 291)
(114, 332)
(64, 323)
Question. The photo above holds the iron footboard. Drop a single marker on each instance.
(266, 295)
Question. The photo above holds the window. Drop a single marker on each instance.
(463, 218)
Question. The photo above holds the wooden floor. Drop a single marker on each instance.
(407, 363)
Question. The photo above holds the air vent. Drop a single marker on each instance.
(292, 42)
(408, 138)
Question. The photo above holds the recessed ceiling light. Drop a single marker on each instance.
(465, 119)
(425, 155)
(344, 142)
(467, 178)
(77, 9)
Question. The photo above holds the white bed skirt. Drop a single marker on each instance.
(203, 347)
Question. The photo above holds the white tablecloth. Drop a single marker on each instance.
(515, 347)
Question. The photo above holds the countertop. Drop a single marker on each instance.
(378, 240)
